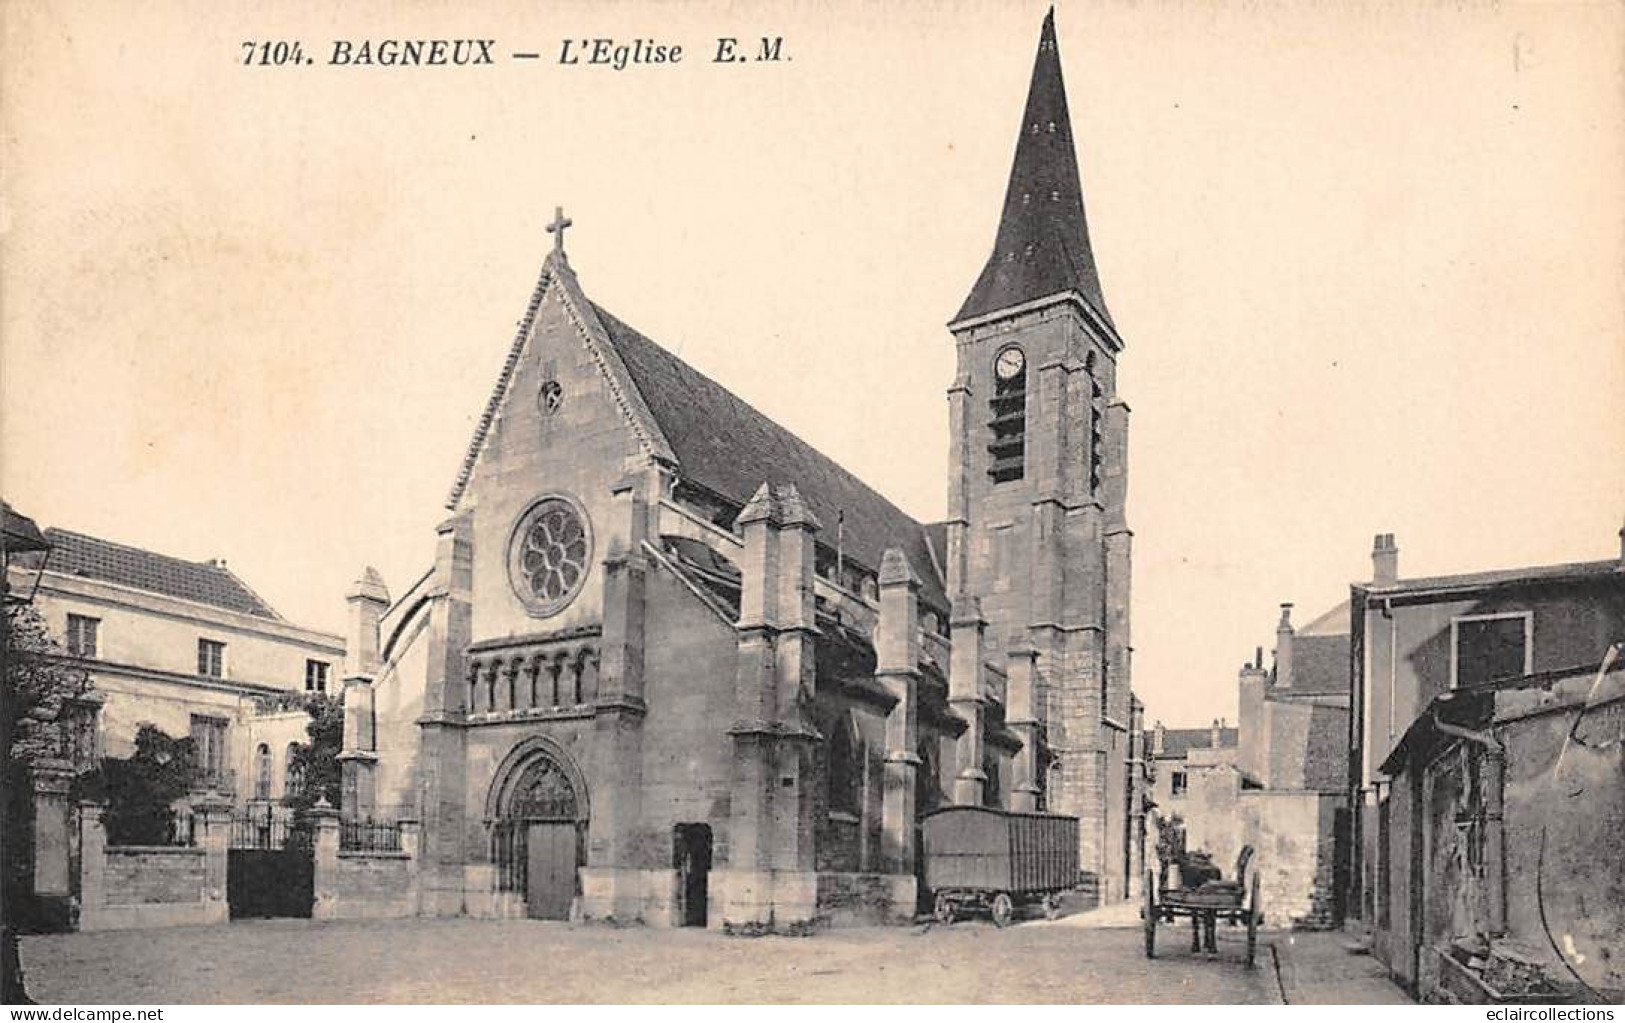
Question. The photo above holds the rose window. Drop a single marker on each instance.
(549, 556)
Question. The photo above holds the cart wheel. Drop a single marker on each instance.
(1148, 915)
(1052, 906)
(1003, 910)
(944, 910)
(1252, 922)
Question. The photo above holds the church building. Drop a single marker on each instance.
(673, 665)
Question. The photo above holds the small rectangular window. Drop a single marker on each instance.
(316, 676)
(211, 658)
(1486, 648)
(82, 635)
(1178, 781)
(209, 751)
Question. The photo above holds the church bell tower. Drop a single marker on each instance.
(1038, 544)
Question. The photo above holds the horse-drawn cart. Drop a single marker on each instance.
(979, 859)
(1234, 901)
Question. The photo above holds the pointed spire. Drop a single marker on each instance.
(1043, 241)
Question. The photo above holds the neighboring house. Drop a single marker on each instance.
(1293, 761)
(1277, 781)
(1419, 645)
(1499, 841)
(1194, 775)
(188, 647)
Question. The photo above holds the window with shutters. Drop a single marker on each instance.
(209, 750)
(83, 632)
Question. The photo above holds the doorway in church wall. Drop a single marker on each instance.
(540, 828)
(691, 857)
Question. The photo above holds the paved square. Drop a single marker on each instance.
(525, 961)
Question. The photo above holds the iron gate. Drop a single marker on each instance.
(270, 865)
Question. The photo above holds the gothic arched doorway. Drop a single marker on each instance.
(540, 828)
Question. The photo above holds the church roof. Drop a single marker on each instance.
(206, 582)
(727, 447)
(1042, 247)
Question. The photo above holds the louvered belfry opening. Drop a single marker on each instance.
(1008, 422)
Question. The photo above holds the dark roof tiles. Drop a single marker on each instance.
(729, 448)
(1042, 247)
(1178, 742)
(201, 581)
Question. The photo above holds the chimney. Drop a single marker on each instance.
(1213, 735)
(1283, 649)
(1384, 560)
(1158, 734)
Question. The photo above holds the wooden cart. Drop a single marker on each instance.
(1233, 901)
(979, 859)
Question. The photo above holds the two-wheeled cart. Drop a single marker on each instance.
(1233, 901)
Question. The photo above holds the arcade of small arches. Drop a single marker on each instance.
(533, 680)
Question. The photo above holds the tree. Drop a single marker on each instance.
(40, 682)
(140, 791)
(316, 763)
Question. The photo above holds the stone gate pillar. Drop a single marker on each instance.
(92, 865)
(324, 821)
(214, 811)
(52, 825)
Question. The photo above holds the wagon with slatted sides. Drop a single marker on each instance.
(981, 860)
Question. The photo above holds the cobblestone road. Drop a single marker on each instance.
(530, 961)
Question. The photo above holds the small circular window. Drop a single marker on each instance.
(548, 555)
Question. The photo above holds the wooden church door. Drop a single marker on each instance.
(550, 870)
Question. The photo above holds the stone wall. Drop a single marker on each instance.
(363, 885)
(1292, 838)
(865, 899)
(139, 874)
(370, 885)
(123, 887)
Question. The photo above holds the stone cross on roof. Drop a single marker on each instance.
(556, 229)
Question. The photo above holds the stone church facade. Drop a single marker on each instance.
(671, 664)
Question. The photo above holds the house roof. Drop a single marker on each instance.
(1333, 623)
(205, 582)
(1583, 686)
(1177, 743)
(727, 447)
(1042, 247)
(1320, 665)
(1571, 571)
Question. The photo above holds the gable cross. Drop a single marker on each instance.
(556, 229)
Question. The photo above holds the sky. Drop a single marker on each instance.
(1367, 261)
